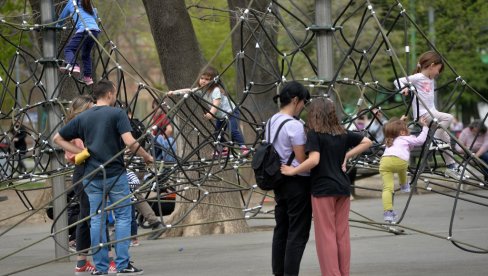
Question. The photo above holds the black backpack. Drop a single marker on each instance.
(266, 162)
(138, 130)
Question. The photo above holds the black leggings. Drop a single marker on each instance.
(293, 215)
(83, 240)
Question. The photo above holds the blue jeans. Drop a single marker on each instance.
(74, 44)
(115, 188)
(133, 222)
(235, 131)
(165, 149)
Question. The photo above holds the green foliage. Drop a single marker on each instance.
(212, 28)
(460, 32)
(11, 11)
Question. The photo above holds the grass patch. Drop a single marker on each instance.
(27, 185)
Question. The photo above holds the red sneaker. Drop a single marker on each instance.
(87, 269)
(112, 269)
(223, 154)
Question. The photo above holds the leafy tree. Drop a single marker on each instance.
(459, 32)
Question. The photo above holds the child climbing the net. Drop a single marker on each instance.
(219, 107)
(399, 143)
(85, 20)
(429, 67)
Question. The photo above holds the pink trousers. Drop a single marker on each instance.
(331, 223)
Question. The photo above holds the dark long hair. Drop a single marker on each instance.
(291, 90)
(322, 117)
(87, 6)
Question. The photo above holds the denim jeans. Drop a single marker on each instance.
(72, 47)
(133, 222)
(115, 188)
(235, 131)
(166, 149)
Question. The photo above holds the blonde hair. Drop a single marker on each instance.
(78, 105)
(322, 117)
(393, 129)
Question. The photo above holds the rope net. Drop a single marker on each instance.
(371, 48)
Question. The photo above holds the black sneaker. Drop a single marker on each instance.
(130, 270)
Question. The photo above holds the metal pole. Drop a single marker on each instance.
(50, 83)
(325, 56)
(413, 38)
(18, 93)
(432, 40)
(431, 24)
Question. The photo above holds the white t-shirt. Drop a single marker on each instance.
(225, 107)
(425, 90)
(291, 134)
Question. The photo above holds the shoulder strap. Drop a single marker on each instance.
(277, 131)
(290, 159)
(292, 155)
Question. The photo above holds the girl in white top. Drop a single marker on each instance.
(430, 65)
(220, 108)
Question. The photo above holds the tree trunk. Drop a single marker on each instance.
(260, 62)
(181, 61)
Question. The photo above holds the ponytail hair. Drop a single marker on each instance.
(291, 90)
(392, 129)
(427, 59)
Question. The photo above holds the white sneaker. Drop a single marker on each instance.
(405, 188)
(436, 145)
(69, 69)
(466, 175)
(390, 216)
(452, 173)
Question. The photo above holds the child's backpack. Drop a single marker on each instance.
(266, 162)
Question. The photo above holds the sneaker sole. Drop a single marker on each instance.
(130, 273)
(439, 146)
(73, 73)
(452, 175)
(84, 273)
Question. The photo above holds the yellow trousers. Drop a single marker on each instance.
(389, 165)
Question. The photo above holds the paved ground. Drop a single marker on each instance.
(373, 252)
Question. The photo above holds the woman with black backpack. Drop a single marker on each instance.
(293, 211)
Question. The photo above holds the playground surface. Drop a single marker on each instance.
(373, 252)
